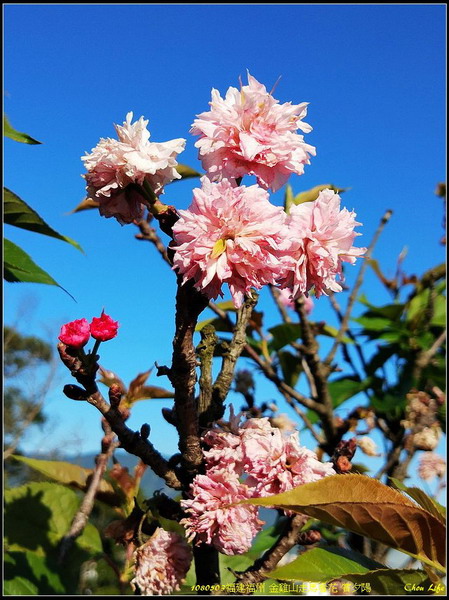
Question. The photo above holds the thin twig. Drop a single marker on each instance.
(233, 351)
(82, 516)
(148, 233)
(352, 298)
(424, 357)
(357, 346)
(304, 417)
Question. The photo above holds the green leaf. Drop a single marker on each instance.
(333, 332)
(288, 198)
(342, 389)
(380, 358)
(422, 499)
(394, 582)
(38, 515)
(284, 334)
(20, 267)
(388, 404)
(63, 472)
(291, 367)
(373, 323)
(218, 324)
(18, 213)
(266, 538)
(186, 172)
(29, 571)
(371, 509)
(19, 586)
(227, 305)
(10, 132)
(312, 194)
(324, 564)
(232, 563)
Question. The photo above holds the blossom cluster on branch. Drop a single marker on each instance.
(161, 564)
(77, 333)
(232, 234)
(113, 165)
(244, 461)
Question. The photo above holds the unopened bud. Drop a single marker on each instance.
(74, 392)
(307, 538)
(115, 394)
(145, 431)
(69, 357)
(342, 465)
(169, 416)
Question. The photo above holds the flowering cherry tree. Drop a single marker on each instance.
(234, 238)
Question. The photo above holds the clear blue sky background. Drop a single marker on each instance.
(375, 79)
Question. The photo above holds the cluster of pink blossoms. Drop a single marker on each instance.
(233, 234)
(132, 159)
(252, 460)
(249, 132)
(77, 333)
(161, 564)
(431, 465)
(229, 235)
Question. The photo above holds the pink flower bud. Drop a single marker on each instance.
(103, 328)
(76, 333)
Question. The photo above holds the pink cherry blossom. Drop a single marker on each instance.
(275, 462)
(103, 328)
(250, 132)
(213, 518)
(161, 564)
(229, 235)
(225, 451)
(75, 334)
(321, 237)
(132, 159)
(431, 465)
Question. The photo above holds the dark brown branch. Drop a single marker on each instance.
(355, 290)
(189, 304)
(206, 567)
(133, 443)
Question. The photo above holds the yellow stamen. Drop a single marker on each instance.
(219, 248)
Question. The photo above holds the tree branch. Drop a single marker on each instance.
(130, 440)
(352, 298)
(82, 516)
(262, 566)
(189, 304)
(223, 382)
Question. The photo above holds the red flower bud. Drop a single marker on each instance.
(75, 334)
(103, 328)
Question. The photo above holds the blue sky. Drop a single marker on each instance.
(374, 76)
